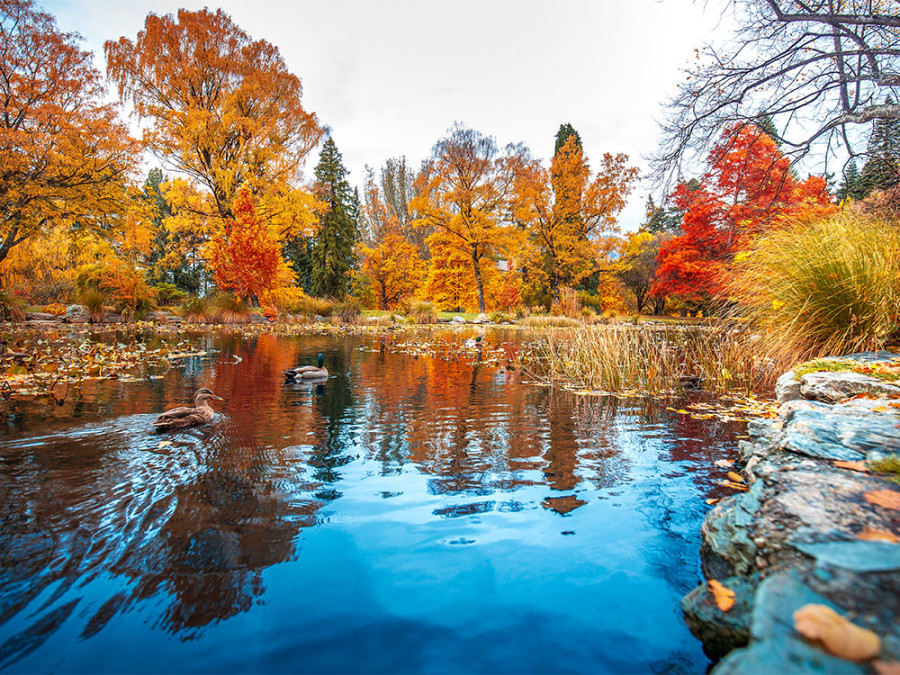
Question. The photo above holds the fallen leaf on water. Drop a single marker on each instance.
(886, 667)
(735, 477)
(734, 486)
(724, 463)
(874, 534)
(835, 634)
(889, 499)
(163, 444)
(881, 409)
(724, 596)
(853, 466)
(712, 501)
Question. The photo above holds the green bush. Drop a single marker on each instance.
(168, 295)
(826, 288)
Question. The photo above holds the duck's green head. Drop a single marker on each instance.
(320, 360)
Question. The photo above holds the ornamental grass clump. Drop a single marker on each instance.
(626, 358)
(826, 288)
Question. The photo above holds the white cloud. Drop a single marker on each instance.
(390, 76)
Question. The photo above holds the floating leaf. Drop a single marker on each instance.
(724, 463)
(853, 466)
(724, 596)
(881, 409)
(886, 667)
(873, 534)
(163, 444)
(712, 501)
(736, 477)
(889, 499)
(835, 634)
(734, 486)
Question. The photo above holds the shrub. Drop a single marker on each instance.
(231, 309)
(94, 299)
(348, 311)
(825, 288)
(196, 310)
(12, 307)
(549, 321)
(422, 311)
(168, 295)
(56, 309)
(500, 317)
(129, 293)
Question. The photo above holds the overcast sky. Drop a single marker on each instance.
(390, 76)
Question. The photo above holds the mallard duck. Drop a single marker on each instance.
(188, 416)
(472, 343)
(317, 372)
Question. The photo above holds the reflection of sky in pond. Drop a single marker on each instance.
(410, 514)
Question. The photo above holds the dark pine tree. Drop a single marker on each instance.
(565, 130)
(332, 254)
(851, 186)
(882, 168)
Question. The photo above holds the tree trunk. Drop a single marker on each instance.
(478, 282)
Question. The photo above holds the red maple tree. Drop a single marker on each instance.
(748, 190)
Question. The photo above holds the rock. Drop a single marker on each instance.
(255, 317)
(855, 555)
(481, 318)
(832, 387)
(774, 645)
(728, 548)
(319, 319)
(721, 631)
(40, 316)
(787, 388)
(160, 315)
(458, 319)
(112, 317)
(77, 314)
(172, 319)
(844, 433)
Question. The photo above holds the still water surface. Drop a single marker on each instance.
(410, 514)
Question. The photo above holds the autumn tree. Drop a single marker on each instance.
(333, 252)
(222, 109)
(819, 68)
(635, 268)
(245, 255)
(463, 193)
(566, 210)
(748, 190)
(64, 154)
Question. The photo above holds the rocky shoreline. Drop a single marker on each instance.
(808, 529)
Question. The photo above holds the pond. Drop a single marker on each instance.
(409, 514)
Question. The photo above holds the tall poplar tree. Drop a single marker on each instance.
(332, 255)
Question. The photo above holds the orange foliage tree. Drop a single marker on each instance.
(245, 254)
(392, 262)
(64, 154)
(566, 209)
(748, 190)
(224, 109)
(463, 192)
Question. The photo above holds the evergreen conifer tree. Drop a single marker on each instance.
(332, 254)
(882, 168)
(565, 130)
(851, 187)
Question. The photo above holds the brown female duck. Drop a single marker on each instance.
(188, 416)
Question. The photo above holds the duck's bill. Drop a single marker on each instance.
(218, 398)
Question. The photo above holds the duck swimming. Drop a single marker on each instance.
(317, 372)
(188, 416)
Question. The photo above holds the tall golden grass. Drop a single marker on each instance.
(656, 359)
(827, 288)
